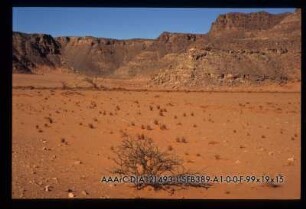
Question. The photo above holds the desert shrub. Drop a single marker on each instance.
(139, 156)
(92, 81)
(143, 157)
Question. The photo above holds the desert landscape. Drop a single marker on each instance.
(223, 103)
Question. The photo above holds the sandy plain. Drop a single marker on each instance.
(63, 134)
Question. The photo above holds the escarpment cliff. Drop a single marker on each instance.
(239, 48)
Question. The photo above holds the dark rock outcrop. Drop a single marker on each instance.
(33, 50)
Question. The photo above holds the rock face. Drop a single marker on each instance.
(237, 24)
(98, 55)
(32, 51)
(239, 48)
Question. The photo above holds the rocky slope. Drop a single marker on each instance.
(33, 50)
(239, 48)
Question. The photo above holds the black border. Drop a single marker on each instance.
(6, 106)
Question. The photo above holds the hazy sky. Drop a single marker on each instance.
(119, 23)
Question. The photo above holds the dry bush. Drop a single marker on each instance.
(143, 157)
(93, 82)
(139, 156)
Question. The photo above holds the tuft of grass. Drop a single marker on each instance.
(156, 122)
(163, 127)
(50, 120)
(217, 157)
(90, 125)
(161, 113)
(183, 140)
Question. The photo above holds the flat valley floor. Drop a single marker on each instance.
(62, 140)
